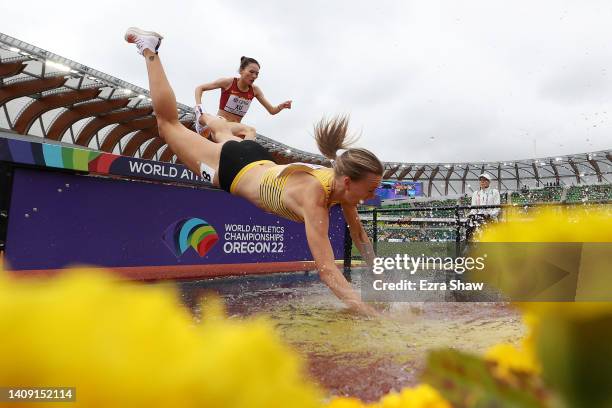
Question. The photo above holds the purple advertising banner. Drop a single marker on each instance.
(58, 219)
(19, 151)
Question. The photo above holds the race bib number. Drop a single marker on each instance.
(207, 173)
(237, 105)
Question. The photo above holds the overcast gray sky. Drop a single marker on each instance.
(423, 81)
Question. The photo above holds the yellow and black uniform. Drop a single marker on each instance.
(237, 158)
(275, 179)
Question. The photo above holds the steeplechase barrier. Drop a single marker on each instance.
(62, 206)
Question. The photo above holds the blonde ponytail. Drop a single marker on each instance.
(332, 136)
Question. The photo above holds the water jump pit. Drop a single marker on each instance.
(349, 355)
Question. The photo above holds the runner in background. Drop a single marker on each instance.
(236, 97)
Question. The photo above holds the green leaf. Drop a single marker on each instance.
(466, 380)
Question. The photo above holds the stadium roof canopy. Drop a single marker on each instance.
(43, 94)
(46, 95)
(444, 179)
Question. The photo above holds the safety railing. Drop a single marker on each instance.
(444, 228)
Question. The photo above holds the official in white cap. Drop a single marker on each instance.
(485, 195)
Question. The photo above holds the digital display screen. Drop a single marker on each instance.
(399, 189)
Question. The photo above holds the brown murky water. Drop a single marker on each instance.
(351, 355)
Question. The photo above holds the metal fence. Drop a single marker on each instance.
(442, 231)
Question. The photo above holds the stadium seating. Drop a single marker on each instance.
(577, 194)
(585, 193)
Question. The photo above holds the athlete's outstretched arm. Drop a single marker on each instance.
(273, 110)
(316, 220)
(358, 235)
(219, 83)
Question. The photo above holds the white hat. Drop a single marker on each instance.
(485, 175)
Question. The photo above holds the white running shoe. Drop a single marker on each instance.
(143, 39)
(199, 110)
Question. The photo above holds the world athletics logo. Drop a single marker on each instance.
(190, 232)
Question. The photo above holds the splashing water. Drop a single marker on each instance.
(351, 355)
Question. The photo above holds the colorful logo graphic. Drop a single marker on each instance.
(190, 232)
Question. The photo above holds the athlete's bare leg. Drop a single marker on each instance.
(189, 147)
(222, 129)
(244, 131)
(238, 131)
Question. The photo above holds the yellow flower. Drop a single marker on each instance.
(570, 339)
(569, 310)
(533, 326)
(422, 396)
(510, 359)
(346, 402)
(567, 225)
(550, 271)
(391, 400)
(131, 345)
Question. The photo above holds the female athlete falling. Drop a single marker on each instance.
(299, 192)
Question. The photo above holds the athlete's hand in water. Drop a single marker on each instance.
(388, 312)
(381, 307)
(364, 309)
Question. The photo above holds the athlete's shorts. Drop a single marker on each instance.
(237, 158)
